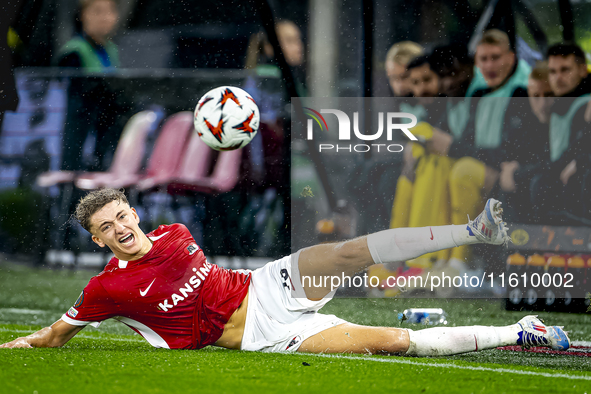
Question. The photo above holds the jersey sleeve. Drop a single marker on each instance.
(92, 307)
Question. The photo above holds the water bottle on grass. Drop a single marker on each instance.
(427, 316)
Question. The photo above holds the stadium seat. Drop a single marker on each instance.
(171, 146)
(163, 161)
(127, 157)
(193, 174)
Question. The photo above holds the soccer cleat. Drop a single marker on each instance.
(535, 333)
(488, 227)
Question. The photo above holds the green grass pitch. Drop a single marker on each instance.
(113, 359)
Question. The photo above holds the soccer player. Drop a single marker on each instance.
(161, 285)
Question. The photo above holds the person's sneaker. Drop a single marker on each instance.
(488, 227)
(535, 333)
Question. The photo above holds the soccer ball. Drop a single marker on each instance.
(226, 118)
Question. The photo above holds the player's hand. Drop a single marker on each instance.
(408, 170)
(507, 177)
(568, 171)
(17, 343)
(439, 143)
(409, 162)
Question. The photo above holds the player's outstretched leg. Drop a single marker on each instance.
(528, 332)
(399, 244)
(437, 341)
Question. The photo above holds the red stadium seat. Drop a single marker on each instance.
(171, 147)
(163, 162)
(193, 173)
(127, 158)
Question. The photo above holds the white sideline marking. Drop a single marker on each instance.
(113, 339)
(581, 343)
(484, 369)
(23, 311)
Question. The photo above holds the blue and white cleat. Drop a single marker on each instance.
(535, 333)
(488, 227)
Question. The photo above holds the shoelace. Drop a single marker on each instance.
(529, 339)
(473, 224)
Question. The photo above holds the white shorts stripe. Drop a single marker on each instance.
(150, 335)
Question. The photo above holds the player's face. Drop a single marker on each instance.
(116, 226)
(565, 74)
(540, 99)
(495, 62)
(398, 79)
(424, 83)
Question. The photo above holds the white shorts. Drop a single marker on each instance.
(277, 320)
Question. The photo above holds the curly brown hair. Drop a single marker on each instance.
(94, 201)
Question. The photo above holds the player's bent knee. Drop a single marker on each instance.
(396, 341)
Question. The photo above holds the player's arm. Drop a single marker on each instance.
(57, 335)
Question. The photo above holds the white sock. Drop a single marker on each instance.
(401, 244)
(442, 341)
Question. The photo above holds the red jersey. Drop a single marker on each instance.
(172, 296)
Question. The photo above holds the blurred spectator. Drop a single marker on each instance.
(290, 39)
(92, 107)
(504, 74)
(260, 56)
(92, 48)
(397, 58)
(539, 91)
(424, 86)
(493, 116)
(568, 71)
(531, 145)
(558, 186)
(424, 81)
(494, 58)
(455, 68)
(292, 45)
